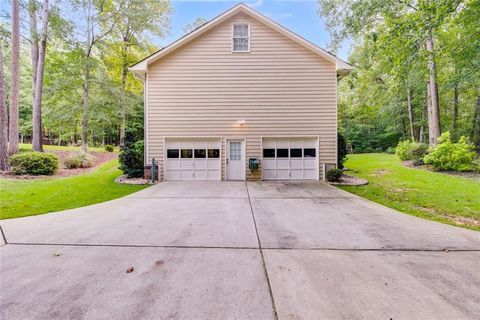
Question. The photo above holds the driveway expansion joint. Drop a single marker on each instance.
(3, 235)
(267, 278)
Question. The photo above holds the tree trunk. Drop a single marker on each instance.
(37, 105)
(123, 93)
(475, 133)
(3, 119)
(32, 11)
(410, 112)
(15, 70)
(86, 81)
(455, 111)
(434, 129)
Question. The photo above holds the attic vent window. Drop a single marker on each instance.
(241, 37)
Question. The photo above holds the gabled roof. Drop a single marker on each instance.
(140, 68)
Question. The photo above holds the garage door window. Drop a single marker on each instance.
(296, 153)
(187, 153)
(269, 153)
(282, 153)
(214, 153)
(309, 153)
(173, 153)
(200, 153)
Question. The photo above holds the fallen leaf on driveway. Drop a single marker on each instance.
(130, 270)
(56, 254)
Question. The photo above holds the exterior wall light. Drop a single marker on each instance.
(241, 123)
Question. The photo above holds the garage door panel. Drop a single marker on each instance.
(290, 158)
(192, 159)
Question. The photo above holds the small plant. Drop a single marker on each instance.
(447, 155)
(341, 150)
(334, 175)
(408, 150)
(378, 150)
(368, 150)
(34, 163)
(131, 156)
(79, 160)
(390, 150)
(109, 148)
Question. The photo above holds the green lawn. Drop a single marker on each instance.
(28, 147)
(432, 195)
(20, 198)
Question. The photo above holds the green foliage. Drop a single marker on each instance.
(447, 155)
(334, 175)
(341, 150)
(131, 156)
(79, 160)
(109, 148)
(34, 163)
(408, 150)
(390, 150)
(368, 150)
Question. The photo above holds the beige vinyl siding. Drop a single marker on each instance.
(279, 88)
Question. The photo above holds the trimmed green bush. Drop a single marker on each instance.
(447, 155)
(408, 150)
(341, 150)
(79, 160)
(378, 150)
(368, 150)
(131, 156)
(334, 175)
(34, 163)
(109, 148)
(390, 150)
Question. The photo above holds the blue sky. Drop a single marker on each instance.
(299, 16)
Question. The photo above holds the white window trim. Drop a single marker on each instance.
(249, 47)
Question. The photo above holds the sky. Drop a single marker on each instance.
(300, 16)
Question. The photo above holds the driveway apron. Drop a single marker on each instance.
(236, 250)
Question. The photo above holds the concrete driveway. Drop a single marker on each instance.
(235, 250)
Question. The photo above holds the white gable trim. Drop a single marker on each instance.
(140, 68)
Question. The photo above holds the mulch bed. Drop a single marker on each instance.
(99, 158)
(138, 181)
(348, 180)
(469, 175)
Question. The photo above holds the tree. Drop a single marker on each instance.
(419, 20)
(194, 25)
(96, 13)
(37, 101)
(3, 118)
(15, 83)
(136, 18)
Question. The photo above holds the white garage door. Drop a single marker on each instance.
(292, 158)
(193, 159)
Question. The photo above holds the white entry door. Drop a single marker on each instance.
(235, 160)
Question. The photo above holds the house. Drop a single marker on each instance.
(241, 98)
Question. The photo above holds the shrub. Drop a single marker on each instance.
(368, 150)
(79, 160)
(408, 150)
(131, 156)
(34, 163)
(378, 150)
(341, 150)
(109, 148)
(447, 155)
(334, 175)
(390, 150)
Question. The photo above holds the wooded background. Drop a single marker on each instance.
(417, 69)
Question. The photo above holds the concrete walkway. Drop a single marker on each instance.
(235, 250)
